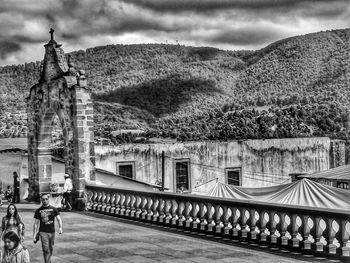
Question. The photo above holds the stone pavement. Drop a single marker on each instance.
(92, 238)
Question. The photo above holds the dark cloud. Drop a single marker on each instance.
(327, 10)
(30, 38)
(229, 24)
(211, 5)
(244, 36)
(8, 47)
(125, 25)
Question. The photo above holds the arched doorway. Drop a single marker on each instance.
(61, 91)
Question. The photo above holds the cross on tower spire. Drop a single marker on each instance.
(51, 32)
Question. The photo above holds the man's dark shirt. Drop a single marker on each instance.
(46, 215)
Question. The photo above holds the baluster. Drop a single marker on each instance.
(295, 231)
(155, 209)
(283, 230)
(162, 205)
(306, 233)
(211, 224)
(149, 208)
(137, 207)
(174, 209)
(144, 207)
(332, 248)
(117, 203)
(90, 197)
(252, 224)
(96, 203)
(344, 239)
(202, 213)
(235, 218)
(133, 206)
(273, 228)
(106, 203)
(111, 208)
(127, 205)
(195, 221)
(244, 232)
(168, 207)
(93, 196)
(226, 218)
(101, 201)
(180, 212)
(264, 219)
(218, 215)
(188, 215)
(319, 232)
(122, 204)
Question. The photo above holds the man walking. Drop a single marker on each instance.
(44, 225)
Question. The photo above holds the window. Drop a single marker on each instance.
(295, 176)
(126, 169)
(182, 175)
(343, 185)
(233, 176)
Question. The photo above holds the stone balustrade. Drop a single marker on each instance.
(291, 229)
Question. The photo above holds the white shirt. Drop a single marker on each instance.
(68, 186)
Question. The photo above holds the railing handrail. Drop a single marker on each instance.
(313, 211)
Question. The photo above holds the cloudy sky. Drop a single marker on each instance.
(226, 24)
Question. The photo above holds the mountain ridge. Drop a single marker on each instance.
(199, 93)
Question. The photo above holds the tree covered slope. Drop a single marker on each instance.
(294, 87)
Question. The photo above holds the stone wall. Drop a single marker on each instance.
(262, 162)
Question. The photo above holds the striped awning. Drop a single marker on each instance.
(299, 193)
(337, 173)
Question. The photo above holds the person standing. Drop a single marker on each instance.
(12, 221)
(67, 191)
(9, 194)
(16, 185)
(44, 225)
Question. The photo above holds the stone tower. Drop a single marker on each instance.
(61, 91)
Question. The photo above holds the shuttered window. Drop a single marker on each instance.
(182, 175)
(233, 176)
(126, 169)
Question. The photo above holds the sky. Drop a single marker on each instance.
(225, 24)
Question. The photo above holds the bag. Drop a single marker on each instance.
(37, 237)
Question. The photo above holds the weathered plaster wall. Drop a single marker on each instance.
(147, 158)
(263, 162)
(269, 162)
(9, 163)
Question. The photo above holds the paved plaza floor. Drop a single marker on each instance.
(91, 238)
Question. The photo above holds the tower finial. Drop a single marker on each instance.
(51, 32)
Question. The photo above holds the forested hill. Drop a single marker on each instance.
(294, 87)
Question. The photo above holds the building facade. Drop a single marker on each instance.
(249, 163)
